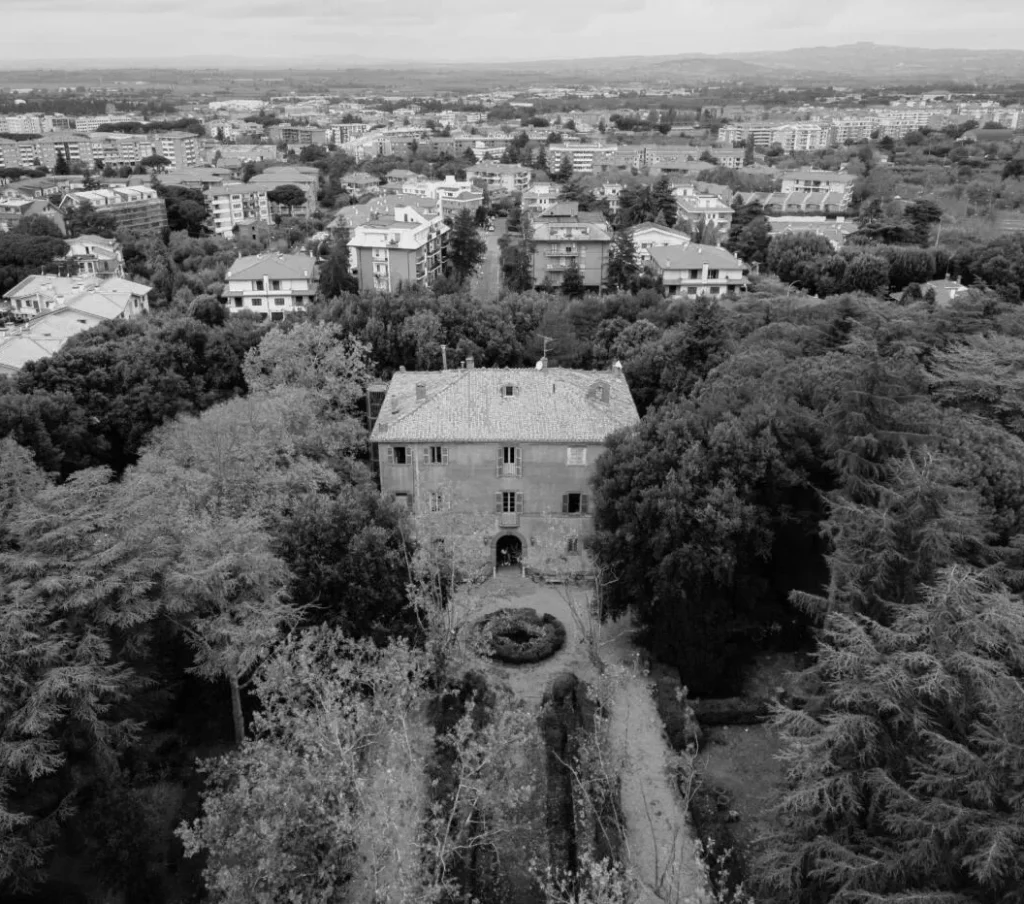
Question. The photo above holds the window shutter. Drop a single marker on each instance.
(565, 503)
(409, 452)
(497, 503)
(426, 455)
(391, 455)
(501, 459)
(584, 504)
(519, 502)
(444, 455)
(519, 462)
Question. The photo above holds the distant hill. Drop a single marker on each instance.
(848, 64)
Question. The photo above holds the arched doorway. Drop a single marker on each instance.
(508, 552)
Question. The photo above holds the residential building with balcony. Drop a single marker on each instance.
(540, 197)
(298, 136)
(305, 177)
(110, 298)
(509, 177)
(695, 269)
(563, 236)
(651, 235)
(93, 255)
(137, 208)
(507, 454)
(271, 285)
(407, 248)
(15, 207)
(586, 158)
(236, 202)
(818, 181)
(694, 208)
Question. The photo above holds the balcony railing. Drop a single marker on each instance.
(508, 519)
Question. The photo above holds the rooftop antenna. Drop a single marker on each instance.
(444, 357)
(547, 339)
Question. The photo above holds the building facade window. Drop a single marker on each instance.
(436, 501)
(402, 499)
(435, 455)
(575, 504)
(399, 455)
(508, 502)
(572, 544)
(510, 461)
(576, 456)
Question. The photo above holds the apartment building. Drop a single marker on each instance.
(15, 207)
(298, 136)
(694, 208)
(137, 208)
(113, 148)
(341, 132)
(651, 235)
(508, 452)
(792, 136)
(234, 203)
(563, 236)
(818, 181)
(112, 296)
(696, 269)
(451, 194)
(407, 248)
(271, 285)
(305, 177)
(540, 197)
(93, 256)
(585, 158)
(509, 177)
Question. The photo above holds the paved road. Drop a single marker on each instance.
(486, 283)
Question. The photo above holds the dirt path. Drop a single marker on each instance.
(659, 836)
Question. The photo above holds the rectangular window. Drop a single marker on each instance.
(434, 455)
(712, 274)
(436, 502)
(238, 302)
(257, 285)
(576, 455)
(572, 545)
(279, 302)
(575, 504)
(275, 285)
(508, 502)
(399, 455)
(257, 302)
(695, 274)
(510, 461)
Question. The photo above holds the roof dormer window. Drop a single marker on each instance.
(509, 390)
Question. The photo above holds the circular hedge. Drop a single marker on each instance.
(518, 636)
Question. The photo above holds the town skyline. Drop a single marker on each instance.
(263, 34)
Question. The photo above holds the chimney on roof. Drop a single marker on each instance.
(469, 362)
(421, 392)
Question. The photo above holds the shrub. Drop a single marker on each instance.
(518, 636)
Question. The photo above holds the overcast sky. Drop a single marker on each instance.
(269, 31)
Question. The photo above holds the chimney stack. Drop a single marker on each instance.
(469, 362)
(421, 392)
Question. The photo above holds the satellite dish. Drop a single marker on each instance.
(539, 365)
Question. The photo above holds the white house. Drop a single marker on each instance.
(650, 235)
(695, 269)
(271, 284)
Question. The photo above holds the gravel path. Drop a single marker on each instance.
(659, 835)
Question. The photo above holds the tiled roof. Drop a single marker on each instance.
(551, 405)
(275, 266)
(693, 257)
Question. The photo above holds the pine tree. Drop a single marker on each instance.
(623, 267)
(466, 250)
(572, 281)
(905, 764)
(663, 199)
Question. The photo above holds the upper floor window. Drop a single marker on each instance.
(435, 455)
(510, 461)
(399, 455)
(576, 455)
(508, 390)
(575, 504)
(275, 285)
(257, 284)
